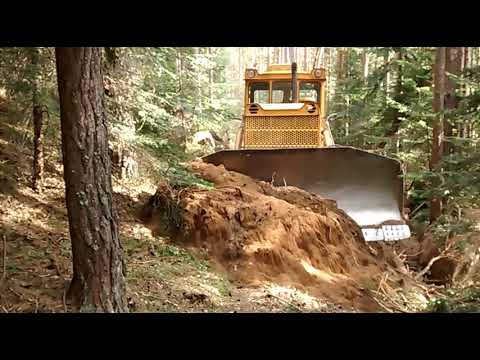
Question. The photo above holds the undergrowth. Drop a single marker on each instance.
(457, 301)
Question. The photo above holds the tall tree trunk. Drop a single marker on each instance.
(180, 106)
(321, 59)
(98, 283)
(453, 65)
(285, 55)
(339, 65)
(240, 67)
(328, 58)
(210, 75)
(393, 115)
(437, 140)
(315, 57)
(37, 114)
(38, 159)
(365, 65)
(467, 54)
(291, 55)
(386, 83)
(305, 59)
(276, 55)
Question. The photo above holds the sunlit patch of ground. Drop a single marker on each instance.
(161, 277)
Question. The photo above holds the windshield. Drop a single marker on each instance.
(259, 92)
(309, 91)
(281, 92)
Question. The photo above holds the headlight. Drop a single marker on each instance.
(250, 73)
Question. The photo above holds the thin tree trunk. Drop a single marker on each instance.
(437, 140)
(210, 76)
(393, 115)
(339, 65)
(365, 65)
(240, 67)
(98, 283)
(291, 55)
(321, 61)
(37, 114)
(180, 106)
(38, 159)
(453, 65)
(305, 59)
(315, 57)
(467, 54)
(276, 55)
(327, 58)
(386, 83)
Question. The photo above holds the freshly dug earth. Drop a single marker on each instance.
(259, 233)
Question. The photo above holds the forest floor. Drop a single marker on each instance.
(167, 276)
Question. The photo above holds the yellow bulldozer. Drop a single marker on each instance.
(285, 138)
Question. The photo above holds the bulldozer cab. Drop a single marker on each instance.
(284, 109)
(285, 139)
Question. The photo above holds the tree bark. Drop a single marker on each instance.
(339, 65)
(386, 83)
(327, 58)
(240, 67)
(276, 55)
(437, 140)
(98, 283)
(453, 65)
(305, 59)
(365, 65)
(210, 76)
(37, 115)
(291, 55)
(392, 114)
(38, 159)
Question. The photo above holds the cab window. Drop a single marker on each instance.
(309, 91)
(281, 91)
(258, 92)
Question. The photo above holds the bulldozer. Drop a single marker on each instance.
(285, 139)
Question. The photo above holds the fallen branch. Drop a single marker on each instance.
(166, 301)
(64, 298)
(273, 178)
(432, 261)
(416, 209)
(383, 306)
(429, 265)
(285, 302)
(4, 273)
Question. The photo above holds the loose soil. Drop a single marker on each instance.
(259, 234)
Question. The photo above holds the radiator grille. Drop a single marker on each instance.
(284, 131)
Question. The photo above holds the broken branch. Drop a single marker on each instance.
(4, 273)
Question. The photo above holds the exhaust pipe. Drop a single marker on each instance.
(294, 83)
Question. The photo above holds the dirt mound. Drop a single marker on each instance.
(257, 233)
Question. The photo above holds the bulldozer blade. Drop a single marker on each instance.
(368, 187)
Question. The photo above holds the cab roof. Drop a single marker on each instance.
(283, 71)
